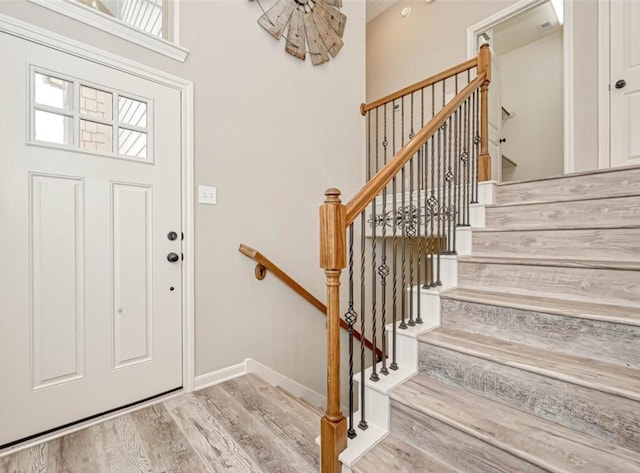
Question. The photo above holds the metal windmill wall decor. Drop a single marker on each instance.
(314, 26)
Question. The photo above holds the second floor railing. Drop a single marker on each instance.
(423, 175)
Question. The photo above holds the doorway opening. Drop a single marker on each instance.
(527, 92)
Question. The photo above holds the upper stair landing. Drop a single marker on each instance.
(584, 185)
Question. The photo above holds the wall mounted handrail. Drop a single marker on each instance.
(264, 264)
(365, 195)
(451, 72)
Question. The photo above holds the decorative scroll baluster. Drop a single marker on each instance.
(403, 324)
(409, 226)
(394, 360)
(374, 319)
(383, 269)
(476, 148)
(362, 425)
(440, 208)
(351, 317)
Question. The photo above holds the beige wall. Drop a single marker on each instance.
(535, 69)
(272, 133)
(401, 51)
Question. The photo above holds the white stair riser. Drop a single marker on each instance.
(619, 244)
(579, 187)
(478, 216)
(609, 286)
(580, 214)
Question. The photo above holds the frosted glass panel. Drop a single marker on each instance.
(132, 112)
(53, 128)
(53, 92)
(133, 143)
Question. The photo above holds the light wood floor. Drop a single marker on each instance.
(242, 425)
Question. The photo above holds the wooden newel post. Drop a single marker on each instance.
(484, 67)
(333, 258)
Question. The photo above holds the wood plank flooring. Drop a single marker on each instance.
(243, 426)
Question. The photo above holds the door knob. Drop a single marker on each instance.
(173, 257)
(172, 236)
(621, 83)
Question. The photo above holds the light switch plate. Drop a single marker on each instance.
(207, 195)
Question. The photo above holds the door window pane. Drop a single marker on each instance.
(96, 103)
(53, 128)
(96, 136)
(132, 143)
(53, 92)
(132, 112)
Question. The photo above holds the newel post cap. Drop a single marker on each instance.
(332, 195)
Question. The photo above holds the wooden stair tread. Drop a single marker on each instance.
(560, 201)
(394, 454)
(564, 263)
(552, 228)
(594, 374)
(543, 443)
(570, 308)
(570, 175)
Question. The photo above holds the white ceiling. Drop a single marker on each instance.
(525, 29)
(375, 7)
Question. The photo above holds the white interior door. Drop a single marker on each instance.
(90, 306)
(625, 82)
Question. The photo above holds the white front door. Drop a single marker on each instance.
(625, 82)
(90, 306)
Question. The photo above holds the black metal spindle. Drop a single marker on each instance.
(374, 286)
(383, 269)
(410, 227)
(403, 222)
(476, 144)
(440, 208)
(351, 317)
(394, 360)
(363, 301)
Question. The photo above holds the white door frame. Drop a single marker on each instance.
(476, 29)
(61, 43)
(604, 71)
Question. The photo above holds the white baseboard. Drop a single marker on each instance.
(220, 376)
(270, 375)
(293, 387)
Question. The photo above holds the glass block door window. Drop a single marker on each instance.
(71, 113)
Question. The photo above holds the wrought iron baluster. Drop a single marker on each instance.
(351, 317)
(383, 269)
(476, 145)
(362, 425)
(374, 286)
(409, 225)
(440, 220)
(394, 360)
(403, 324)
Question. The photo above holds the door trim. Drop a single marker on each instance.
(604, 73)
(476, 29)
(35, 34)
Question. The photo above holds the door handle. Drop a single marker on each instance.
(621, 83)
(173, 257)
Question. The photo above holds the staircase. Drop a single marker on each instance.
(535, 366)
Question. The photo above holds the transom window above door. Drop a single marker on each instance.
(70, 113)
(150, 23)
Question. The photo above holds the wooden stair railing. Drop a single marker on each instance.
(457, 117)
(264, 265)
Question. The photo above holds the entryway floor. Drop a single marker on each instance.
(242, 425)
